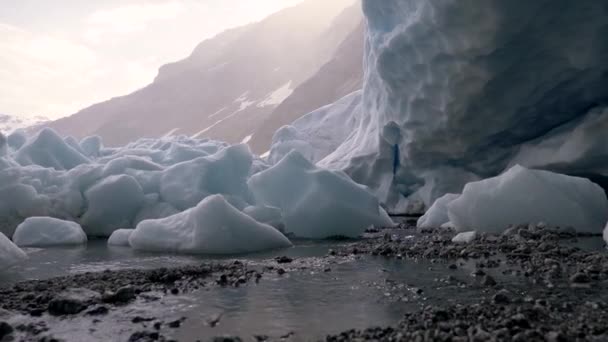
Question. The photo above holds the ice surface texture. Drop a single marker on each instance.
(466, 89)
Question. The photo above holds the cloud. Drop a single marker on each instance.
(128, 19)
(52, 75)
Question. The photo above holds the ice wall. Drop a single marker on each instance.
(457, 90)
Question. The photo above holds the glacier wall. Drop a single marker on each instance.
(458, 90)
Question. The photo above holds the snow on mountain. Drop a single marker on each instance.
(230, 84)
(9, 123)
(459, 91)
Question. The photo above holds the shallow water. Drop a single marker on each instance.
(317, 296)
(97, 256)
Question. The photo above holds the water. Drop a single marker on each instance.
(309, 302)
(306, 301)
(97, 256)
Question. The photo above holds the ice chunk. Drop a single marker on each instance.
(48, 232)
(522, 195)
(271, 216)
(317, 203)
(49, 150)
(17, 202)
(112, 203)
(120, 237)
(91, 146)
(212, 227)
(16, 139)
(466, 237)
(153, 208)
(437, 214)
(185, 184)
(10, 254)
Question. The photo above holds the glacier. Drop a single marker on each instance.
(458, 91)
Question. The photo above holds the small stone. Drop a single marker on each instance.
(580, 278)
(283, 259)
(281, 271)
(175, 324)
(98, 310)
(488, 281)
(501, 297)
(121, 296)
(5, 329)
(65, 306)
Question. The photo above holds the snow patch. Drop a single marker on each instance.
(278, 96)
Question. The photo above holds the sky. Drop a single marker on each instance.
(59, 56)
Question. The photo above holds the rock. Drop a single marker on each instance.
(66, 306)
(175, 324)
(227, 339)
(5, 329)
(144, 336)
(121, 296)
(488, 281)
(98, 311)
(580, 278)
(501, 297)
(283, 260)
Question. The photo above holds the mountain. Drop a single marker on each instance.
(10, 123)
(230, 84)
(342, 75)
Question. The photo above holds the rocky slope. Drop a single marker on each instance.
(231, 83)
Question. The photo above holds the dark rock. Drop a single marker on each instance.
(98, 311)
(122, 296)
(580, 278)
(488, 281)
(227, 339)
(66, 306)
(5, 329)
(501, 297)
(144, 336)
(283, 260)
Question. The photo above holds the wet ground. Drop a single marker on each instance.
(418, 284)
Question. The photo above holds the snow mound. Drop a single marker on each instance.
(523, 196)
(120, 237)
(48, 232)
(10, 254)
(317, 203)
(437, 215)
(213, 227)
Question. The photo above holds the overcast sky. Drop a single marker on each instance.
(59, 56)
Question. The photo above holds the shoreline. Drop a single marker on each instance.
(532, 285)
